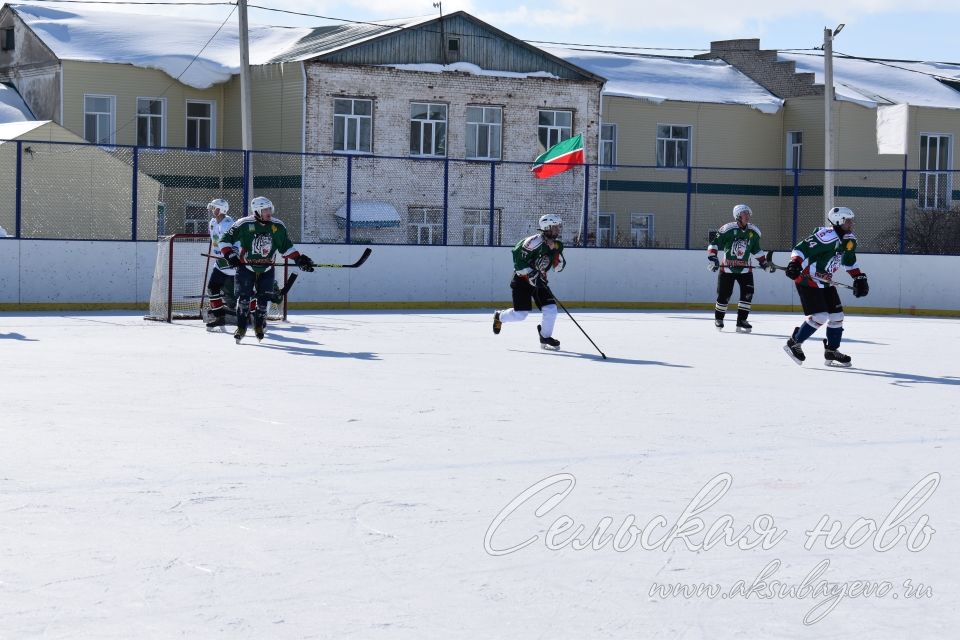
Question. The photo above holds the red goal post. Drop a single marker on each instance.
(179, 289)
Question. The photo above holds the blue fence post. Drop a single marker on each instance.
(446, 193)
(903, 207)
(585, 226)
(346, 222)
(246, 182)
(686, 242)
(493, 182)
(18, 197)
(133, 189)
(796, 205)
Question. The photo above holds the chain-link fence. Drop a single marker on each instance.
(62, 190)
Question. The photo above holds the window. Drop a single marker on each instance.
(484, 125)
(428, 129)
(933, 191)
(425, 225)
(554, 127)
(195, 218)
(200, 125)
(673, 145)
(6, 39)
(98, 119)
(352, 125)
(150, 121)
(453, 49)
(605, 226)
(476, 226)
(608, 145)
(794, 151)
(641, 229)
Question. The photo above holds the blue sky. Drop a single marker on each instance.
(874, 28)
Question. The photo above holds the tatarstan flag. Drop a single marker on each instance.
(559, 157)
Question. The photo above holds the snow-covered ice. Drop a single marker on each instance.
(343, 479)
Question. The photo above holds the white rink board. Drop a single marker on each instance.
(151, 488)
(51, 272)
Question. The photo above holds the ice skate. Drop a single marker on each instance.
(217, 323)
(794, 350)
(239, 333)
(550, 344)
(744, 327)
(718, 323)
(497, 325)
(833, 358)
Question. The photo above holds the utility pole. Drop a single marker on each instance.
(828, 132)
(443, 36)
(246, 112)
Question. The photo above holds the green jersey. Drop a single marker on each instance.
(258, 244)
(735, 246)
(823, 253)
(533, 254)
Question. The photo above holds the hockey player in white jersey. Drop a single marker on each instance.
(222, 272)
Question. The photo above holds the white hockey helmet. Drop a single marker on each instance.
(551, 224)
(838, 215)
(258, 205)
(739, 209)
(219, 203)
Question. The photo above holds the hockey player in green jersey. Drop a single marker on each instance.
(812, 264)
(533, 257)
(260, 238)
(735, 242)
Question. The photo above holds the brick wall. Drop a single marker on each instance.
(519, 198)
(762, 66)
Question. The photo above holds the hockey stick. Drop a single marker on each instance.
(581, 328)
(283, 290)
(811, 276)
(363, 258)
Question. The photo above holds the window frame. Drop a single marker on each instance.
(483, 226)
(8, 41)
(924, 173)
(794, 152)
(150, 117)
(433, 229)
(202, 220)
(634, 241)
(112, 115)
(432, 125)
(604, 144)
(611, 229)
(358, 118)
(688, 140)
(213, 125)
(475, 134)
(553, 128)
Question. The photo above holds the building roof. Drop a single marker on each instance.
(12, 106)
(660, 78)
(13, 130)
(872, 82)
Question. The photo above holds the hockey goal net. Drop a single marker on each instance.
(179, 289)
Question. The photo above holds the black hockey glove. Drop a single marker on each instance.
(793, 269)
(714, 262)
(767, 265)
(305, 263)
(860, 286)
(233, 259)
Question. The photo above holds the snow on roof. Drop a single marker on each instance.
(12, 106)
(369, 214)
(873, 82)
(167, 43)
(660, 78)
(467, 67)
(13, 130)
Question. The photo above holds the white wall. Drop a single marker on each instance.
(46, 272)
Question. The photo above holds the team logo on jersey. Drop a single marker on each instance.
(262, 245)
(739, 248)
(834, 265)
(542, 264)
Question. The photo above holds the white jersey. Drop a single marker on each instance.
(217, 229)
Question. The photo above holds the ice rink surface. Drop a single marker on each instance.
(363, 475)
